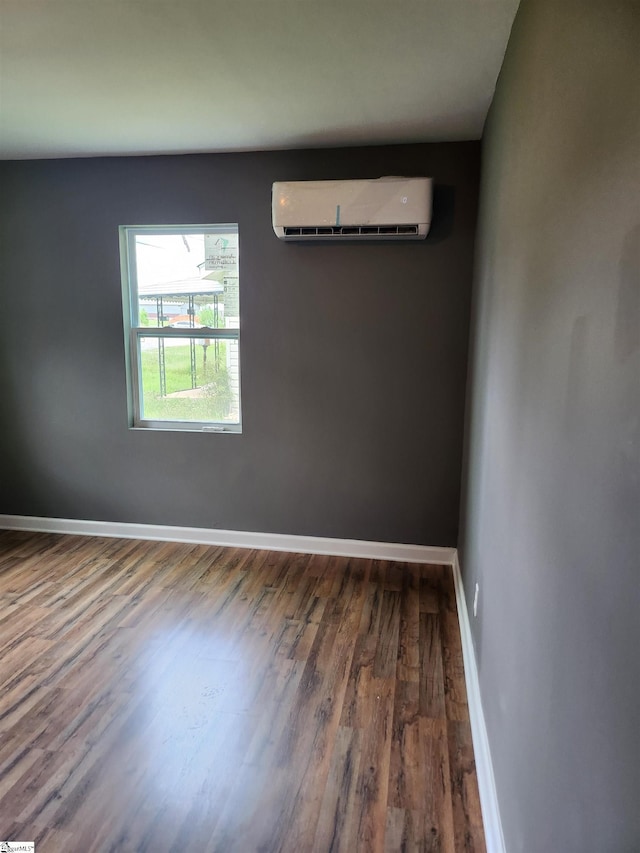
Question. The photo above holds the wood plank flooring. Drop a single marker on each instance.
(170, 697)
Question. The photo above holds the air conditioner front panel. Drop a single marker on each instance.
(384, 203)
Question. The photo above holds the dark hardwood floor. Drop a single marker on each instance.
(167, 697)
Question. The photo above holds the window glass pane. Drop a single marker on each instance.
(186, 280)
(189, 379)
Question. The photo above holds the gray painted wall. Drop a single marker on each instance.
(353, 356)
(551, 509)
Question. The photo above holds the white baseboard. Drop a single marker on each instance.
(484, 768)
(234, 539)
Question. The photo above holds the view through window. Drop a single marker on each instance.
(182, 319)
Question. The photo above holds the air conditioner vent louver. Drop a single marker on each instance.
(308, 232)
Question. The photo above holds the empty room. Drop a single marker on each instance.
(319, 426)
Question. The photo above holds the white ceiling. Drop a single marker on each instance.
(94, 77)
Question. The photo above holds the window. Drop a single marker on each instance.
(182, 326)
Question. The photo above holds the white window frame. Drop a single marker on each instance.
(134, 332)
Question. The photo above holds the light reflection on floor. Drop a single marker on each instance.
(196, 713)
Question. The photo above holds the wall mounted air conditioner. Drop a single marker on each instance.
(382, 209)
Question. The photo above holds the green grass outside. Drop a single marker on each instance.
(159, 409)
(212, 407)
(177, 362)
